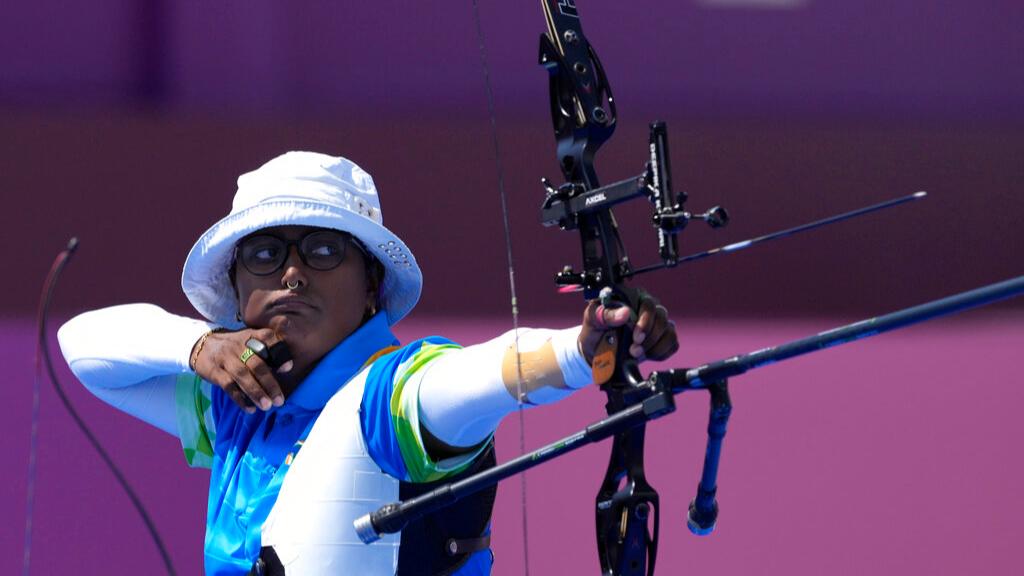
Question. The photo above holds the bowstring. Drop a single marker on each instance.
(520, 405)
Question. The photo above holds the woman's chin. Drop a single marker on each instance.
(290, 325)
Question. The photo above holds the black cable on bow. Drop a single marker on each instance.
(42, 359)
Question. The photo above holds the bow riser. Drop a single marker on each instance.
(626, 505)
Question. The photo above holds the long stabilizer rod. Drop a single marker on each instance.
(393, 517)
(722, 369)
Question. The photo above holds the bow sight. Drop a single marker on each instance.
(583, 115)
(569, 205)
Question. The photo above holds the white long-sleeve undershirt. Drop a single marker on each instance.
(130, 356)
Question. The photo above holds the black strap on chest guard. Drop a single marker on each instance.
(437, 544)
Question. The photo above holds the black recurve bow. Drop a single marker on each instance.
(584, 117)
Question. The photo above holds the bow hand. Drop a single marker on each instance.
(654, 334)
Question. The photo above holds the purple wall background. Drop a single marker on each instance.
(126, 123)
(131, 120)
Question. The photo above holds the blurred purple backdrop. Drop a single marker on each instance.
(126, 122)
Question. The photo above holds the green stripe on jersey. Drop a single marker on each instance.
(405, 417)
(195, 419)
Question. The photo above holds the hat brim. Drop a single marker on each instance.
(207, 285)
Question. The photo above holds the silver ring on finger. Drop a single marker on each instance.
(258, 348)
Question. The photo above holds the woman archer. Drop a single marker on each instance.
(297, 396)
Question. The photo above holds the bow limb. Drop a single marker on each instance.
(43, 360)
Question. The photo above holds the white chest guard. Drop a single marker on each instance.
(331, 482)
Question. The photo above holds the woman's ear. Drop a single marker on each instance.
(374, 281)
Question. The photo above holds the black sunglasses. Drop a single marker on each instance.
(263, 254)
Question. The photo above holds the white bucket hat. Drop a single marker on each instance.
(299, 189)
